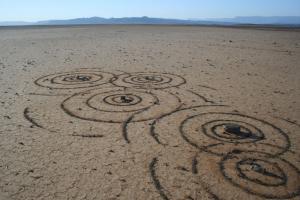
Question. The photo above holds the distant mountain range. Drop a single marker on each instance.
(260, 20)
(285, 21)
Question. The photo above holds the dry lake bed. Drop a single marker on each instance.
(149, 112)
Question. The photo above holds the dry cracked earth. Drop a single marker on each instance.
(149, 112)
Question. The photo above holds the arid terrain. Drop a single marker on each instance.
(149, 112)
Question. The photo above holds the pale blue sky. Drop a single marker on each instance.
(33, 10)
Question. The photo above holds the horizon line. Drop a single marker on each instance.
(187, 19)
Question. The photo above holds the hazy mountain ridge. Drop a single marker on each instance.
(261, 20)
(287, 20)
(125, 20)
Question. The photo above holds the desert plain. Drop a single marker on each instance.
(149, 112)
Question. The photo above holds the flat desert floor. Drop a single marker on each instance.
(149, 112)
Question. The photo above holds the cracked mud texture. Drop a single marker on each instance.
(46, 154)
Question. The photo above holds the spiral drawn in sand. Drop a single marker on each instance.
(83, 78)
(149, 80)
(261, 174)
(117, 105)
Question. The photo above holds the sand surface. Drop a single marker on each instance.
(149, 112)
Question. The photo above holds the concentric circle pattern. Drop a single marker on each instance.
(216, 129)
(149, 80)
(83, 78)
(261, 174)
(125, 99)
(117, 105)
(206, 128)
(206, 149)
(121, 101)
